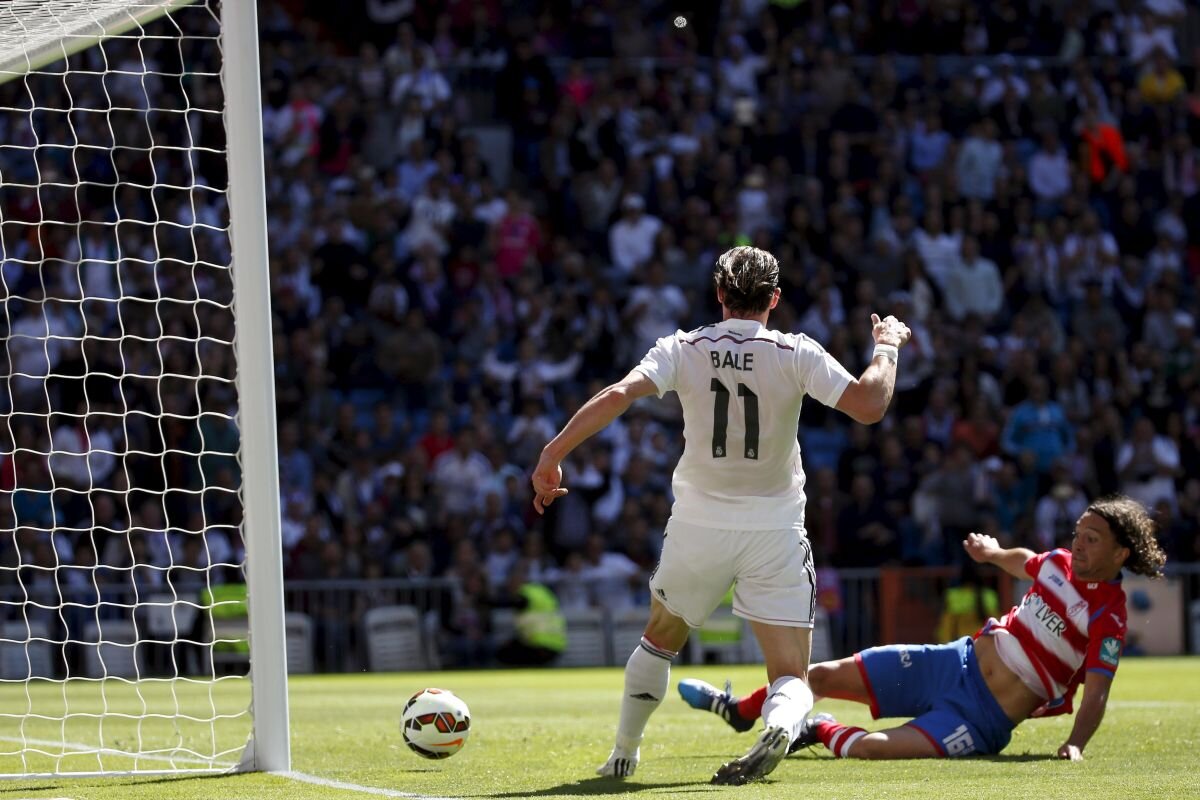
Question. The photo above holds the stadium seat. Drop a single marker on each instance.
(587, 639)
(393, 636)
(22, 656)
(111, 649)
(299, 642)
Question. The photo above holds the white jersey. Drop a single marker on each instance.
(741, 386)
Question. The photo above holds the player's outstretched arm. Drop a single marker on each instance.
(607, 404)
(1088, 717)
(986, 550)
(866, 400)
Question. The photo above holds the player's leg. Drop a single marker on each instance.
(776, 592)
(841, 680)
(693, 574)
(846, 741)
(788, 701)
(647, 676)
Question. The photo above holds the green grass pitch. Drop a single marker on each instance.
(540, 734)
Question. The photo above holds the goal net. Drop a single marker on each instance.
(128, 536)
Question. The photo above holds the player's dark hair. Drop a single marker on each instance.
(1134, 528)
(748, 278)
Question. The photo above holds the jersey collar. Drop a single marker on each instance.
(740, 325)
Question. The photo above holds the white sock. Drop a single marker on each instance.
(788, 702)
(647, 676)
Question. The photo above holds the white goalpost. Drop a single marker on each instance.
(141, 588)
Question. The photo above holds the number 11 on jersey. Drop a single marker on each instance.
(721, 419)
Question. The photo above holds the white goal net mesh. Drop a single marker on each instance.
(122, 601)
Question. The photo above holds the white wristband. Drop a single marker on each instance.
(888, 351)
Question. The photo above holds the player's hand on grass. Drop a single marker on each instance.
(889, 330)
(1070, 752)
(981, 547)
(547, 477)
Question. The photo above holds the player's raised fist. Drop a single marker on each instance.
(980, 547)
(889, 330)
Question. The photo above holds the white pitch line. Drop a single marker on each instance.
(302, 777)
(354, 787)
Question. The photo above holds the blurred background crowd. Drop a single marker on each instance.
(482, 211)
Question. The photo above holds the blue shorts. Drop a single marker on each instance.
(940, 686)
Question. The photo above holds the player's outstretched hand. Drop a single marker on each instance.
(981, 547)
(547, 477)
(889, 330)
(1070, 752)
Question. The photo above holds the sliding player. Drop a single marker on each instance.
(968, 695)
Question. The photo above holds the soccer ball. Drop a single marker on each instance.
(435, 723)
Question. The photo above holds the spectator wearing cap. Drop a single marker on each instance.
(631, 238)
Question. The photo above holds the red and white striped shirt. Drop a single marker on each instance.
(1065, 627)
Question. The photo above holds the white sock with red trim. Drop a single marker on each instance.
(788, 702)
(839, 738)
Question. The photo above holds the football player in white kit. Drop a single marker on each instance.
(738, 517)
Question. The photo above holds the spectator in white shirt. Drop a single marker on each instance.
(754, 205)
(631, 238)
(1004, 79)
(423, 82)
(460, 474)
(929, 143)
(655, 308)
(1148, 464)
(738, 74)
(610, 575)
(938, 249)
(532, 371)
(1089, 254)
(1050, 171)
(979, 162)
(974, 286)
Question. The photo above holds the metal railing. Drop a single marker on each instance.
(336, 609)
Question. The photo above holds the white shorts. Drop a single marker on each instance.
(771, 571)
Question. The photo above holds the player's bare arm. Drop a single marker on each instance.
(986, 550)
(1089, 716)
(866, 400)
(607, 404)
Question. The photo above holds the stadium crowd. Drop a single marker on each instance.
(1025, 195)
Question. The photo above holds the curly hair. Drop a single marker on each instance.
(1134, 528)
(748, 277)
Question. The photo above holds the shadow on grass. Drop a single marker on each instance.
(13, 789)
(1012, 758)
(591, 786)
